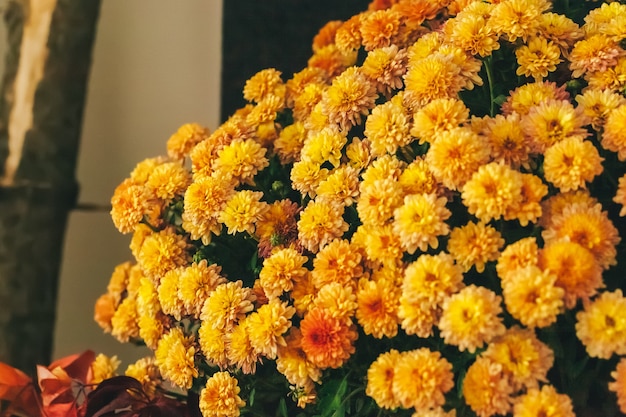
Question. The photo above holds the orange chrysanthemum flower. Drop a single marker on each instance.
(575, 267)
(327, 341)
(588, 226)
(379, 28)
(377, 310)
(338, 262)
(456, 155)
(618, 385)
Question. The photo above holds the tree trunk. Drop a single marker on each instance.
(41, 109)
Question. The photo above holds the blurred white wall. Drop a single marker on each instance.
(156, 65)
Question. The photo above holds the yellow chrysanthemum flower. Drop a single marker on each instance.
(597, 104)
(532, 296)
(551, 121)
(146, 372)
(240, 352)
(242, 159)
(387, 127)
(281, 270)
(420, 220)
(435, 76)
(517, 18)
(380, 376)
(227, 304)
(385, 67)
(438, 116)
(470, 318)
(523, 358)
(456, 155)
(168, 180)
(601, 326)
(290, 142)
(571, 163)
(538, 58)
(184, 139)
(528, 209)
(421, 379)
(267, 325)
(242, 211)
(474, 244)
(104, 367)
(220, 396)
(124, 324)
(492, 191)
(547, 402)
(321, 222)
(486, 388)
(594, 53)
(324, 146)
(350, 96)
(472, 32)
(519, 254)
(174, 356)
(196, 283)
(613, 137)
(338, 300)
(417, 178)
(262, 84)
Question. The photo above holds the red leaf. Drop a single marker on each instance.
(77, 366)
(12, 382)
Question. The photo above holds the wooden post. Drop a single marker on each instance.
(41, 109)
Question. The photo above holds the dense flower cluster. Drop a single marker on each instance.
(424, 220)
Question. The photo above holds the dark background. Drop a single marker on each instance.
(272, 34)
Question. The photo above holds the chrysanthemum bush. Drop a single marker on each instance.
(424, 221)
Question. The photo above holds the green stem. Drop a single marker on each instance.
(492, 99)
